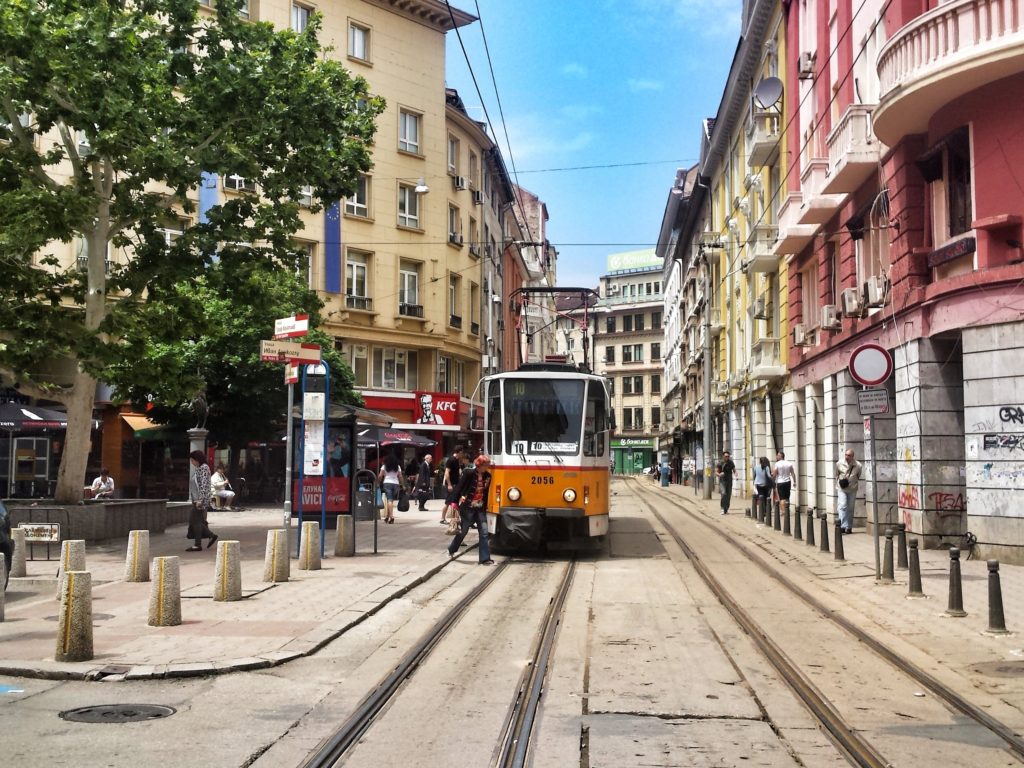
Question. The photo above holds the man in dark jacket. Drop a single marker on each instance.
(424, 481)
(471, 493)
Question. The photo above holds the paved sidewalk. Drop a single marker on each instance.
(272, 624)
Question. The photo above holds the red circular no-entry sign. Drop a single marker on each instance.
(870, 365)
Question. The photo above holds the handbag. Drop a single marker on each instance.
(844, 483)
(403, 501)
(451, 517)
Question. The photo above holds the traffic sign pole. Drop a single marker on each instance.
(874, 492)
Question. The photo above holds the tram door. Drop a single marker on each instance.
(31, 466)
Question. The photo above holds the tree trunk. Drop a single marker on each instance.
(78, 440)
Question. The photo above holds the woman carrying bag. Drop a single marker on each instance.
(471, 492)
(391, 485)
(199, 495)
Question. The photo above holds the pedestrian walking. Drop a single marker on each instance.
(472, 491)
(199, 495)
(726, 472)
(423, 481)
(452, 473)
(785, 478)
(847, 477)
(763, 481)
(390, 478)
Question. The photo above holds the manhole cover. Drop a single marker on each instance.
(1000, 669)
(117, 713)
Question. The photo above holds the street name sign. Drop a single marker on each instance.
(873, 402)
(291, 327)
(280, 351)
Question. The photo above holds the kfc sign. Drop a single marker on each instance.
(437, 408)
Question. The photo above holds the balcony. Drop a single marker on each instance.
(363, 303)
(944, 53)
(761, 256)
(474, 328)
(455, 321)
(762, 137)
(766, 359)
(853, 151)
(817, 207)
(715, 324)
(411, 310)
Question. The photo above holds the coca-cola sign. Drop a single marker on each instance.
(437, 408)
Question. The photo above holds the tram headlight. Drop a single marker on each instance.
(569, 495)
(514, 494)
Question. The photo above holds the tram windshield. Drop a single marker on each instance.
(543, 415)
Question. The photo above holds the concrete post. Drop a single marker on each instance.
(901, 545)
(887, 572)
(785, 522)
(227, 585)
(996, 622)
(810, 526)
(276, 562)
(798, 533)
(345, 543)
(165, 594)
(776, 518)
(915, 571)
(309, 557)
(74, 628)
(955, 605)
(136, 563)
(840, 554)
(752, 512)
(823, 517)
(72, 558)
(18, 560)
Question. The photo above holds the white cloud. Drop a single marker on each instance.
(537, 140)
(708, 19)
(574, 69)
(636, 85)
(579, 112)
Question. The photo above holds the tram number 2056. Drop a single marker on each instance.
(542, 480)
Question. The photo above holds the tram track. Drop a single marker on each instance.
(513, 742)
(853, 744)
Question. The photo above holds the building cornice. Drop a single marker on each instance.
(430, 13)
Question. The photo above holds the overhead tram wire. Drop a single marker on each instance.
(487, 116)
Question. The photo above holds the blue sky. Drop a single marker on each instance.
(601, 83)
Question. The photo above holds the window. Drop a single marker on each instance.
(474, 237)
(409, 289)
(627, 385)
(408, 207)
(611, 387)
(609, 324)
(359, 203)
(394, 368)
(300, 17)
(609, 354)
(655, 320)
(239, 183)
(356, 288)
(454, 309)
(453, 155)
(474, 170)
(656, 416)
(305, 267)
(809, 295)
(454, 225)
(632, 353)
(358, 41)
(638, 385)
(409, 132)
(638, 322)
(632, 418)
(655, 351)
(474, 308)
(627, 323)
(656, 384)
(357, 358)
(305, 198)
(595, 420)
(444, 369)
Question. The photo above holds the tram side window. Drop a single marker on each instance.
(494, 419)
(594, 424)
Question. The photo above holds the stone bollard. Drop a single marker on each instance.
(345, 543)
(901, 545)
(823, 517)
(810, 526)
(72, 558)
(18, 560)
(165, 594)
(276, 563)
(777, 517)
(785, 522)
(74, 628)
(915, 571)
(996, 622)
(798, 533)
(955, 605)
(840, 554)
(887, 572)
(3, 591)
(136, 563)
(309, 557)
(227, 586)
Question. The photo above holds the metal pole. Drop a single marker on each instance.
(288, 459)
(324, 462)
(707, 377)
(874, 496)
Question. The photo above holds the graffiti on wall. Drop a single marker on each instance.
(1012, 414)
(909, 497)
(1010, 442)
(944, 501)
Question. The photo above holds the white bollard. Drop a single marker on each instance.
(136, 563)
(72, 558)
(276, 563)
(74, 630)
(309, 556)
(18, 567)
(165, 594)
(228, 573)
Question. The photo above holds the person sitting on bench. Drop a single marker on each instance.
(222, 494)
(103, 486)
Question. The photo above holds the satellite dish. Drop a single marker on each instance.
(768, 92)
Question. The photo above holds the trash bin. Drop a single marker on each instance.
(664, 475)
(365, 504)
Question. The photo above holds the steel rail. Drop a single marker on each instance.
(1014, 743)
(515, 741)
(331, 749)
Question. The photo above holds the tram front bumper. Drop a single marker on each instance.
(529, 527)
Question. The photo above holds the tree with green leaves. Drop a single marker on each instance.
(111, 111)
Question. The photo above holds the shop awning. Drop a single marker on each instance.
(139, 423)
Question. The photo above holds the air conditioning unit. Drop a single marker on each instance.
(613, 289)
(801, 338)
(876, 289)
(760, 308)
(852, 303)
(478, 197)
(805, 67)
(670, 416)
(722, 388)
(460, 182)
(475, 250)
(830, 318)
(455, 238)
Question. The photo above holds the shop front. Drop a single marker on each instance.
(631, 455)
